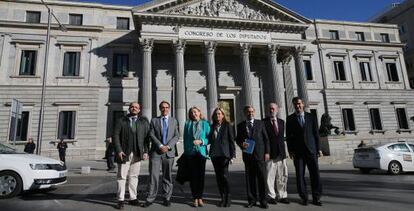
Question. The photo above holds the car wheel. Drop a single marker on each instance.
(364, 170)
(394, 168)
(10, 184)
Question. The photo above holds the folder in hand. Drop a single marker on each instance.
(250, 146)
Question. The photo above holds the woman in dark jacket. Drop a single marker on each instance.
(222, 151)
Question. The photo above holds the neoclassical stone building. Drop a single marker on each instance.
(197, 52)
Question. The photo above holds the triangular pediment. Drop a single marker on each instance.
(254, 10)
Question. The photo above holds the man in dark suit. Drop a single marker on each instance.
(164, 137)
(303, 144)
(253, 130)
(276, 166)
(131, 139)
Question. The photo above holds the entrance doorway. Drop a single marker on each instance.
(228, 106)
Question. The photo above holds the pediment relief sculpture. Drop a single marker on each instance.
(228, 9)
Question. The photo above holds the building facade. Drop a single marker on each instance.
(402, 14)
(208, 53)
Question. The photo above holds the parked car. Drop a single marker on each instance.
(20, 172)
(394, 157)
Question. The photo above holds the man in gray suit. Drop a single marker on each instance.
(164, 137)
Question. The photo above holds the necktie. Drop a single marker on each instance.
(164, 130)
(250, 127)
(301, 120)
(133, 120)
(275, 127)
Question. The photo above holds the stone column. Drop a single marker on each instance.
(210, 48)
(180, 108)
(245, 66)
(300, 74)
(146, 91)
(276, 88)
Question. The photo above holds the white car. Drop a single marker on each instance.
(20, 172)
(394, 157)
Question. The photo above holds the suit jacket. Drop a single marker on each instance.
(122, 132)
(156, 136)
(277, 142)
(259, 136)
(223, 145)
(189, 147)
(301, 140)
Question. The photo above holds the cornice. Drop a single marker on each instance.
(363, 43)
(218, 22)
(17, 24)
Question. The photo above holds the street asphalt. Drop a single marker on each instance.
(344, 189)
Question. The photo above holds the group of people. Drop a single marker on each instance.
(30, 147)
(262, 142)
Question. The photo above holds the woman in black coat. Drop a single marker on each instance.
(222, 151)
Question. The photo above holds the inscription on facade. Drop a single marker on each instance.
(224, 35)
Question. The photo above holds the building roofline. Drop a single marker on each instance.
(76, 4)
(352, 23)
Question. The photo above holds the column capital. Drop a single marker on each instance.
(179, 45)
(245, 48)
(146, 44)
(210, 47)
(273, 49)
(298, 50)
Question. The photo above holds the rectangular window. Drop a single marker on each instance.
(365, 71)
(22, 128)
(348, 118)
(385, 37)
(339, 71)
(375, 118)
(66, 128)
(392, 72)
(75, 19)
(334, 35)
(122, 23)
(308, 69)
(120, 65)
(28, 62)
(402, 118)
(360, 36)
(32, 17)
(71, 64)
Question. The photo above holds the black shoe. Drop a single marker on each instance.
(120, 205)
(250, 204)
(228, 203)
(304, 202)
(221, 204)
(272, 201)
(146, 204)
(264, 205)
(166, 203)
(284, 201)
(134, 202)
(317, 202)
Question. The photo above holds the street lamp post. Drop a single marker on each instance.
(42, 101)
(44, 77)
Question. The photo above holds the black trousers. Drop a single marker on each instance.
(62, 157)
(255, 178)
(197, 166)
(311, 161)
(221, 168)
(110, 161)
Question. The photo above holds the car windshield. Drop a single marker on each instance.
(7, 150)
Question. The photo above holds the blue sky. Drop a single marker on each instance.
(347, 10)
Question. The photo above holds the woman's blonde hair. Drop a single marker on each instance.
(214, 116)
(190, 115)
